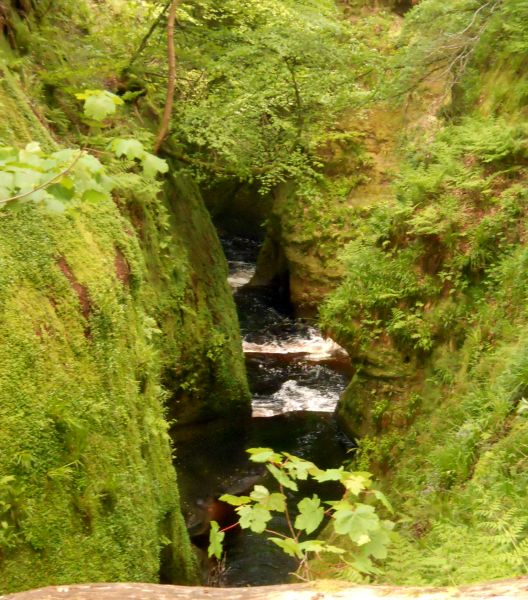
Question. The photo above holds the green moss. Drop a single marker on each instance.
(102, 311)
(433, 311)
(88, 450)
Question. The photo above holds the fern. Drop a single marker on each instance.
(508, 530)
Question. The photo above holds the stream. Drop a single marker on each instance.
(296, 378)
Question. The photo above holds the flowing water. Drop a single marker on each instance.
(296, 377)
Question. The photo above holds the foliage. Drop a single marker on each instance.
(62, 179)
(134, 150)
(353, 517)
(432, 306)
(57, 180)
(457, 212)
(87, 487)
(99, 104)
(282, 77)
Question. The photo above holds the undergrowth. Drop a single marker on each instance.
(432, 309)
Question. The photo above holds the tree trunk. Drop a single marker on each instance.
(165, 119)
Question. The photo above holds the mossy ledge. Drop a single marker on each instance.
(101, 313)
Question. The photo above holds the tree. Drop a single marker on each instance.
(171, 84)
(259, 84)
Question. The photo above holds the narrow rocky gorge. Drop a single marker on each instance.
(324, 256)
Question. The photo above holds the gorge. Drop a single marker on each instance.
(363, 168)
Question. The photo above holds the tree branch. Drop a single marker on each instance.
(45, 184)
(148, 35)
(165, 119)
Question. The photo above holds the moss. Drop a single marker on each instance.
(23, 125)
(201, 352)
(432, 309)
(88, 450)
(101, 312)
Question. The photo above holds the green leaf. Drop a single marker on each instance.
(364, 565)
(312, 545)
(91, 163)
(99, 104)
(41, 196)
(53, 205)
(311, 514)
(235, 500)
(356, 483)
(254, 517)
(60, 192)
(379, 541)
(282, 478)
(8, 155)
(299, 468)
(357, 522)
(320, 546)
(27, 180)
(383, 499)
(262, 455)
(105, 182)
(152, 165)
(7, 180)
(4, 195)
(130, 148)
(260, 493)
(289, 546)
(275, 501)
(333, 549)
(216, 538)
(33, 147)
(330, 475)
(94, 196)
(65, 156)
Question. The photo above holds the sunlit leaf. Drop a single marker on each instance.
(235, 500)
(131, 148)
(99, 104)
(253, 517)
(299, 468)
(153, 165)
(311, 514)
(275, 501)
(53, 205)
(356, 522)
(383, 499)
(216, 538)
(289, 546)
(330, 475)
(262, 455)
(355, 483)
(282, 478)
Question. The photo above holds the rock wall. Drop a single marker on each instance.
(112, 318)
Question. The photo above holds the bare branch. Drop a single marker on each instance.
(165, 119)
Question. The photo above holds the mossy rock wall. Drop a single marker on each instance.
(433, 312)
(109, 317)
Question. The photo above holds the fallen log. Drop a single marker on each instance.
(319, 590)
